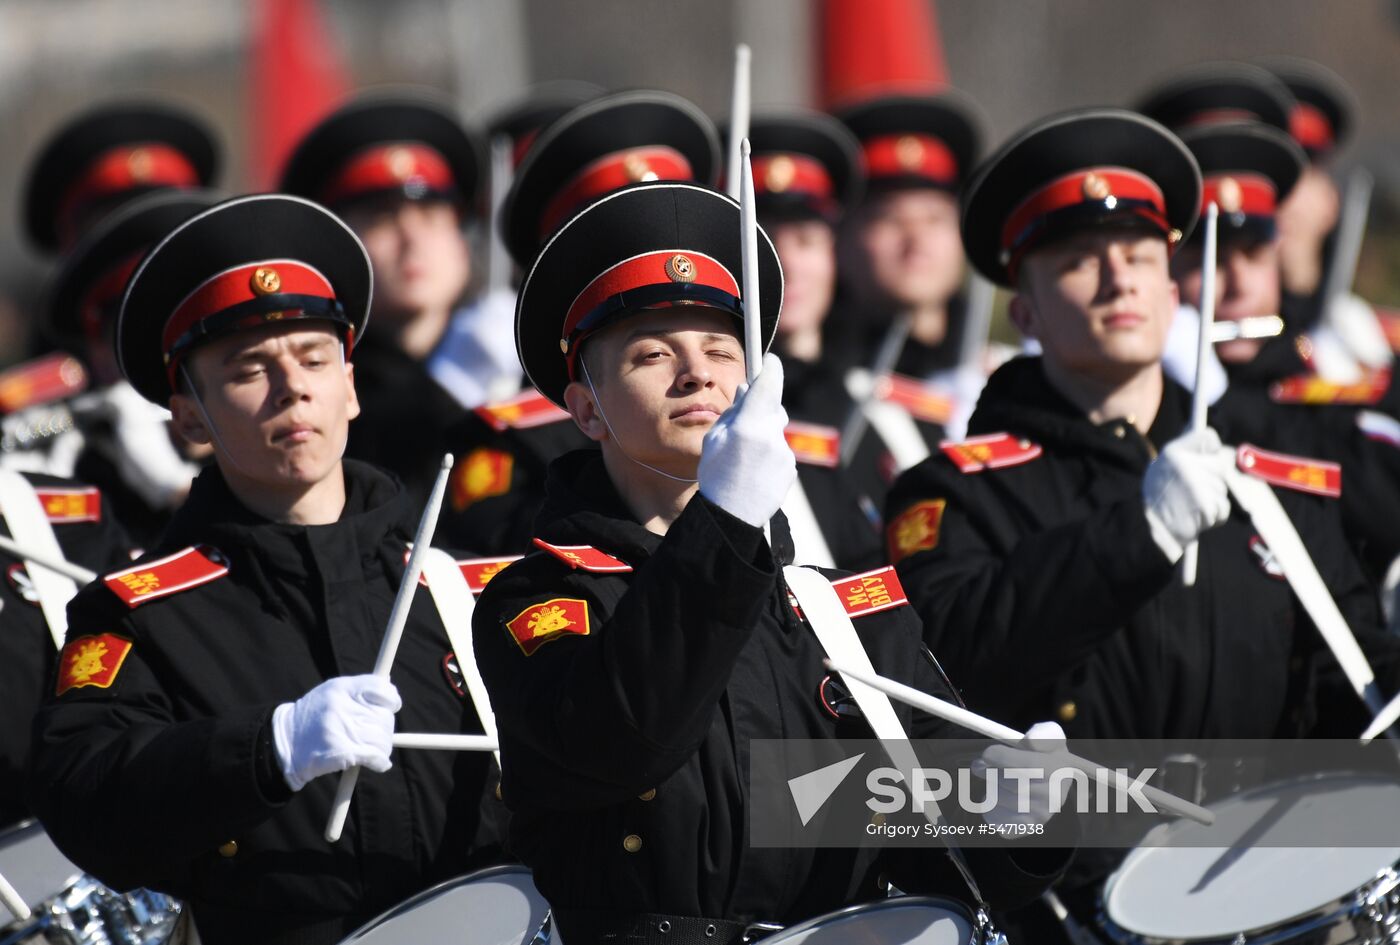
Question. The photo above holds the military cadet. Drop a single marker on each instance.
(635, 654)
(901, 253)
(505, 447)
(128, 447)
(205, 692)
(107, 155)
(403, 171)
(1249, 170)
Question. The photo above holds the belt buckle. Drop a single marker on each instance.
(759, 930)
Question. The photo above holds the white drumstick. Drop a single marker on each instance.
(738, 118)
(748, 247)
(987, 728)
(66, 568)
(398, 617)
(1198, 394)
(444, 742)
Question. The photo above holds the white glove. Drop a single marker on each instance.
(1179, 356)
(344, 722)
(1023, 799)
(1185, 490)
(746, 466)
(146, 459)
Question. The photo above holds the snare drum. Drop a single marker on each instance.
(496, 906)
(1259, 894)
(905, 920)
(33, 865)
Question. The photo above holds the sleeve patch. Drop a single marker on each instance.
(990, 452)
(1312, 389)
(481, 474)
(480, 571)
(814, 444)
(870, 592)
(915, 529)
(169, 575)
(537, 624)
(1315, 476)
(530, 409)
(91, 661)
(586, 557)
(69, 506)
(916, 398)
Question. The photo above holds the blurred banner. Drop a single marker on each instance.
(874, 46)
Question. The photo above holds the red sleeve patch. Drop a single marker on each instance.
(41, 381)
(915, 529)
(537, 624)
(916, 398)
(482, 473)
(529, 409)
(1316, 476)
(480, 571)
(992, 451)
(814, 444)
(586, 557)
(870, 592)
(169, 575)
(68, 506)
(1311, 389)
(91, 661)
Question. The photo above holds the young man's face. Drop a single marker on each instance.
(661, 378)
(420, 256)
(908, 248)
(280, 399)
(1100, 302)
(1246, 284)
(807, 251)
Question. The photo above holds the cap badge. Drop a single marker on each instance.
(140, 164)
(1229, 195)
(265, 281)
(781, 172)
(638, 169)
(680, 268)
(400, 163)
(1096, 188)
(909, 152)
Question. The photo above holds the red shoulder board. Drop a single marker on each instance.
(1291, 472)
(525, 410)
(1311, 389)
(480, 571)
(916, 398)
(586, 557)
(481, 474)
(814, 444)
(990, 452)
(870, 592)
(1389, 320)
(169, 575)
(41, 381)
(66, 506)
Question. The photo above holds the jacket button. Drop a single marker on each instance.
(647, 795)
(631, 843)
(1120, 431)
(1067, 711)
(228, 850)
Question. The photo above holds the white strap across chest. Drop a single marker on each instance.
(455, 603)
(29, 524)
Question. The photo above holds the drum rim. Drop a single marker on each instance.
(437, 889)
(32, 825)
(943, 902)
(1262, 934)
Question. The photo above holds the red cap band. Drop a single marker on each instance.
(910, 154)
(1090, 186)
(1250, 194)
(792, 174)
(397, 167)
(128, 167)
(1218, 116)
(103, 292)
(660, 268)
(610, 172)
(1311, 128)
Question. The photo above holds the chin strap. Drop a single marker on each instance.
(612, 433)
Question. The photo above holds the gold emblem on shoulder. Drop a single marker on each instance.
(140, 164)
(680, 268)
(87, 662)
(781, 171)
(909, 152)
(1229, 195)
(1096, 188)
(549, 620)
(265, 281)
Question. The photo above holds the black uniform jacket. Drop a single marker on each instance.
(27, 651)
(625, 737)
(1045, 595)
(168, 779)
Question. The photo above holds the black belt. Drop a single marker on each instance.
(582, 927)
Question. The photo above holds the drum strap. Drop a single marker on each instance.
(455, 604)
(837, 635)
(29, 525)
(895, 427)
